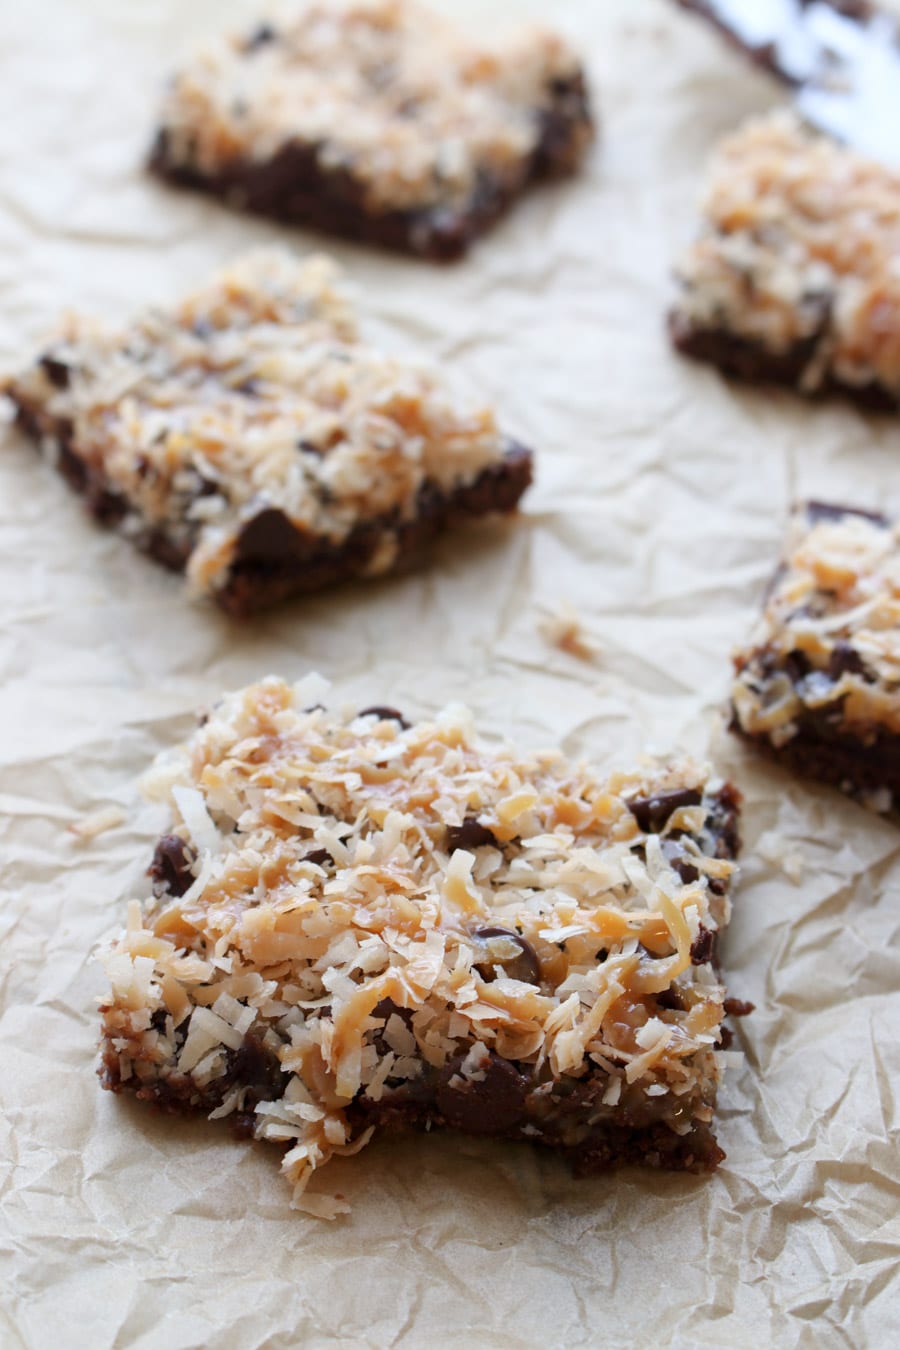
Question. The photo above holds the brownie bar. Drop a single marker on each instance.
(359, 923)
(247, 438)
(792, 279)
(818, 685)
(375, 121)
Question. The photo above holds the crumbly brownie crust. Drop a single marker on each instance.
(377, 120)
(247, 437)
(818, 685)
(793, 278)
(359, 923)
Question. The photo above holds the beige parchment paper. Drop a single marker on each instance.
(657, 514)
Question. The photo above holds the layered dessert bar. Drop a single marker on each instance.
(246, 436)
(362, 924)
(793, 278)
(377, 120)
(818, 683)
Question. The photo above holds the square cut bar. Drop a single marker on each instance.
(794, 278)
(818, 684)
(359, 923)
(376, 120)
(247, 437)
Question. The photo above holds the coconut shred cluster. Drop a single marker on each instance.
(367, 902)
(829, 637)
(252, 393)
(801, 243)
(384, 89)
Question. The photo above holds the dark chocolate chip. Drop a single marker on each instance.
(470, 834)
(738, 1007)
(257, 1068)
(494, 1104)
(170, 870)
(385, 715)
(525, 967)
(652, 813)
(270, 537)
(58, 372)
(320, 857)
(846, 660)
(670, 999)
(158, 1020)
(797, 666)
(703, 948)
(678, 859)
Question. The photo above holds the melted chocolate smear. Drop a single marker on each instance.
(738, 1007)
(703, 947)
(170, 870)
(816, 511)
(525, 967)
(493, 1105)
(385, 715)
(470, 834)
(260, 37)
(57, 372)
(652, 813)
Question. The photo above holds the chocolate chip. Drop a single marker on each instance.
(738, 1007)
(525, 967)
(170, 870)
(270, 537)
(320, 857)
(678, 858)
(652, 813)
(703, 947)
(385, 715)
(670, 999)
(494, 1104)
(257, 1068)
(797, 666)
(846, 660)
(470, 834)
(58, 372)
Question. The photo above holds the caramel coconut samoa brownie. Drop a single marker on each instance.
(794, 278)
(377, 120)
(818, 684)
(247, 437)
(359, 924)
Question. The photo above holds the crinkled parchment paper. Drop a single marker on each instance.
(657, 513)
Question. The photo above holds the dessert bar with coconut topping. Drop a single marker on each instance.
(818, 683)
(377, 120)
(358, 923)
(247, 437)
(794, 278)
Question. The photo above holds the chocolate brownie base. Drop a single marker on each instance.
(507, 1102)
(274, 560)
(820, 751)
(754, 363)
(292, 186)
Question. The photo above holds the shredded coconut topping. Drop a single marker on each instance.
(383, 91)
(384, 903)
(800, 243)
(251, 394)
(828, 640)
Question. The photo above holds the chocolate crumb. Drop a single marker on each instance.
(470, 834)
(738, 1007)
(703, 947)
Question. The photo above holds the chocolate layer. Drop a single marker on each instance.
(275, 560)
(293, 186)
(755, 363)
